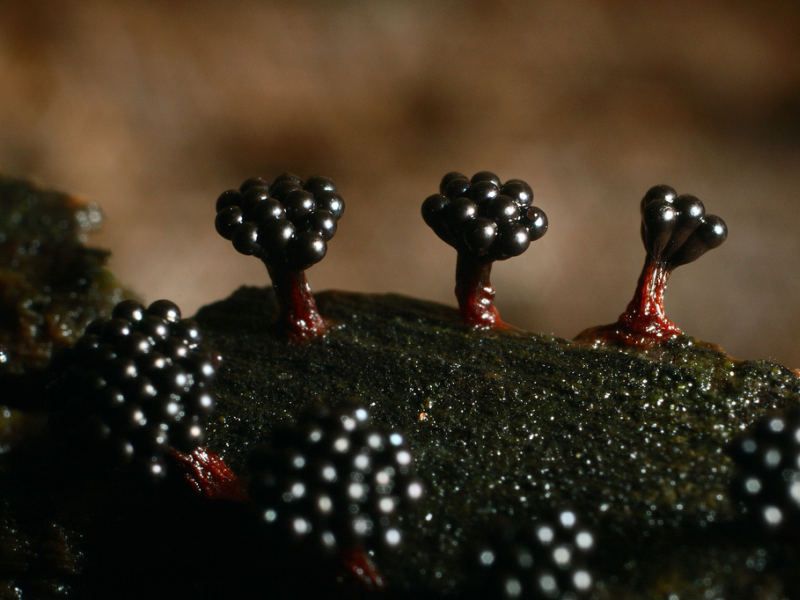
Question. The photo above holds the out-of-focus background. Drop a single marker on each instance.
(152, 109)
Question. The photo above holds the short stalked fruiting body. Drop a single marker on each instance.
(133, 389)
(286, 224)
(546, 560)
(484, 220)
(767, 480)
(675, 230)
(332, 483)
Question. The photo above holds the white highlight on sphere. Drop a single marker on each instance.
(341, 444)
(328, 540)
(548, 584)
(568, 519)
(777, 425)
(772, 458)
(773, 515)
(386, 505)
(584, 540)
(582, 581)
(301, 526)
(562, 556)
(403, 458)
(513, 588)
(298, 490)
(329, 473)
(393, 537)
(415, 491)
(794, 491)
(525, 559)
(355, 490)
(324, 504)
(545, 534)
(749, 446)
(752, 485)
(382, 478)
(362, 526)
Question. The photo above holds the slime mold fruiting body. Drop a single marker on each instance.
(335, 481)
(134, 388)
(768, 479)
(485, 221)
(333, 484)
(287, 225)
(675, 231)
(546, 560)
(508, 433)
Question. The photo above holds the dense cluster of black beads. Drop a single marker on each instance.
(481, 216)
(135, 385)
(289, 221)
(333, 481)
(546, 560)
(676, 229)
(768, 477)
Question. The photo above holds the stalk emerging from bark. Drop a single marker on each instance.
(675, 231)
(286, 224)
(484, 221)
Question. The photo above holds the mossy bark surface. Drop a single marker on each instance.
(51, 284)
(509, 425)
(504, 425)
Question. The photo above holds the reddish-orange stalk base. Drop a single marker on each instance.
(208, 474)
(210, 477)
(643, 324)
(475, 294)
(299, 318)
(359, 572)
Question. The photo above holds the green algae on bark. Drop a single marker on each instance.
(509, 424)
(51, 285)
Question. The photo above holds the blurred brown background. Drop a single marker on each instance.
(152, 109)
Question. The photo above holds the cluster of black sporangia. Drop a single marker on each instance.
(483, 217)
(287, 222)
(768, 470)
(134, 386)
(546, 560)
(333, 481)
(676, 229)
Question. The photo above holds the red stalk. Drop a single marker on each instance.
(299, 316)
(645, 312)
(644, 323)
(475, 294)
(209, 476)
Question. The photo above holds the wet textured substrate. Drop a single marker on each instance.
(509, 424)
(51, 284)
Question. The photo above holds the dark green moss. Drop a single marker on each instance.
(510, 424)
(51, 285)
(503, 424)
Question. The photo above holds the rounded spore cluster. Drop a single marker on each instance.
(676, 229)
(332, 481)
(134, 386)
(483, 217)
(289, 221)
(546, 560)
(768, 477)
